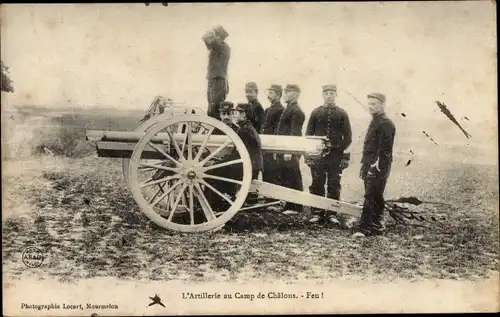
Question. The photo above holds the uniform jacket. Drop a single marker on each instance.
(218, 58)
(378, 145)
(251, 139)
(232, 126)
(332, 122)
(272, 116)
(257, 115)
(291, 120)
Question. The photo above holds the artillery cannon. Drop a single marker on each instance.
(168, 163)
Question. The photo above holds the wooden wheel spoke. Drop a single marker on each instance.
(216, 191)
(160, 167)
(165, 194)
(191, 204)
(189, 138)
(149, 182)
(223, 164)
(171, 199)
(214, 153)
(207, 210)
(176, 146)
(154, 146)
(204, 144)
(145, 168)
(224, 179)
(176, 203)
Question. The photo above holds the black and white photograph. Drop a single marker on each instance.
(249, 158)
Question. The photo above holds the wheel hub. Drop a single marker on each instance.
(191, 174)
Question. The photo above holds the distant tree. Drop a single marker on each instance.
(6, 81)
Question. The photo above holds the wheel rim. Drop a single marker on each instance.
(190, 174)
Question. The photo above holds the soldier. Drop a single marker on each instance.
(218, 61)
(290, 123)
(249, 136)
(226, 114)
(272, 115)
(333, 122)
(251, 139)
(376, 166)
(256, 115)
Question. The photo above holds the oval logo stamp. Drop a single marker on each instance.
(33, 257)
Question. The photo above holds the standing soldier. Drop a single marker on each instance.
(218, 61)
(256, 114)
(376, 166)
(271, 117)
(290, 123)
(333, 122)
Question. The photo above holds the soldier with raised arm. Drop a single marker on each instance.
(331, 121)
(218, 61)
(290, 123)
(376, 166)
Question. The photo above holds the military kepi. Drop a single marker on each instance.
(226, 106)
(292, 87)
(243, 107)
(378, 96)
(251, 86)
(329, 87)
(276, 88)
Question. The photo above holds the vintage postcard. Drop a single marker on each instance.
(249, 158)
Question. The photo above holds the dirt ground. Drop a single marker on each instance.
(109, 236)
(78, 210)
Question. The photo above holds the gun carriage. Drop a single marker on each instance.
(168, 163)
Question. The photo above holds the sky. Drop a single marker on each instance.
(123, 55)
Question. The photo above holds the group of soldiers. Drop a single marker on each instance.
(250, 119)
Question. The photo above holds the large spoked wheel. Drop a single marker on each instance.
(196, 181)
(146, 125)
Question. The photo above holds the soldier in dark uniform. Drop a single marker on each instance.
(226, 114)
(249, 136)
(272, 116)
(290, 123)
(256, 115)
(376, 166)
(251, 140)
(218, 61)
(333, 122)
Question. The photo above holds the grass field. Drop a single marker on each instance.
(76, 206)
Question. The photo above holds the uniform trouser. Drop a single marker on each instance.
(290, 177)
(327, 169)
(217, 91)
(371, 221)
(271, 170)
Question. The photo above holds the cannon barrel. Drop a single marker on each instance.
(121, 143)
